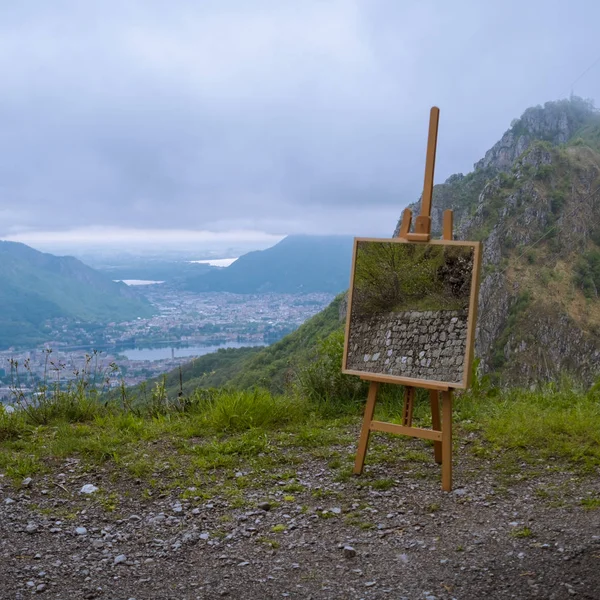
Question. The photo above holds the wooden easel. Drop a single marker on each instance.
(441, 432)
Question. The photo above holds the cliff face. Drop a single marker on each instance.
(531, 201)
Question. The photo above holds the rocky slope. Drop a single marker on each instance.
(534, 200)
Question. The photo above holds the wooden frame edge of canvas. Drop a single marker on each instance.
(474, 294)
(348, 305)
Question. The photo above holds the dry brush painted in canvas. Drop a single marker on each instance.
(409, 310)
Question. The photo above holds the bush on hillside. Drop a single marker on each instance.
(322, 382)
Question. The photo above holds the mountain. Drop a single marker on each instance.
(297, 264)
(35, 287)
(534, 200)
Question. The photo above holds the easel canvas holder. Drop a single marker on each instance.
(406, 357)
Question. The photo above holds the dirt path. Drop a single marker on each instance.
(391, 534)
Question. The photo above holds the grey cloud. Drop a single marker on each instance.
(278, 116)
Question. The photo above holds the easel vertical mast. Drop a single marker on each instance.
(441, 432)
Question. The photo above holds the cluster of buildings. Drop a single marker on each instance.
(182, 319)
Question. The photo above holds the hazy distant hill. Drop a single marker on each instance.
(299, 263)
(35, 286)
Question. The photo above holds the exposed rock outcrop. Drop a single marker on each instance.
(531, 201)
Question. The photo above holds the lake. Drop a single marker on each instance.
(182, 352)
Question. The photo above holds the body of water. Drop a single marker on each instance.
(137, 281)
(215, 262)
(190, 351)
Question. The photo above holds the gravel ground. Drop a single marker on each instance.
(496, 536)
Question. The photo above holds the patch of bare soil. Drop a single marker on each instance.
(389, 534)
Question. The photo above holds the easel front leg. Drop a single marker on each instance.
(435, 423)
(363, 442)
(447, 441)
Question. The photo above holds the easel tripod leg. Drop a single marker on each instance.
(434, 398)
(363, 441)
(447, 441)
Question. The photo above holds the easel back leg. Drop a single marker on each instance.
(409, 402)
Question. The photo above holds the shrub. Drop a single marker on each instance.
(587, 273)
(322, 382)
(232, 410)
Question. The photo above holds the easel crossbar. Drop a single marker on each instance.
(418, 432)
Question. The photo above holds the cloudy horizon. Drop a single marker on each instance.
(259, 119)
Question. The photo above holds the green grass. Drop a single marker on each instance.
(554, 422)
(521, 532)
(228, 442)
(591, 503)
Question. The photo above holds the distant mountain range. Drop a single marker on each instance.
(297, 264)
(35, 287)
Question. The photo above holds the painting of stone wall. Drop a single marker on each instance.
(409, 310)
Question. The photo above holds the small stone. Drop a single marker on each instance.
(81, 531)
(264, 506)
(195, 511)
(370, 583)
(120, 559)
(40, 588)
(9, 501)
(336, 511)
(31, 528)
(244, 563)
(460, 492)
(88, 488)
(135, 518)
(26, 482)
(349, 552)
(203, 536)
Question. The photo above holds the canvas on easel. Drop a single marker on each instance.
(412, 311)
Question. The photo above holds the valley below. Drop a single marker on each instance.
(185, 325)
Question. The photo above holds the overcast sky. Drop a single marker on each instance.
(260, 118)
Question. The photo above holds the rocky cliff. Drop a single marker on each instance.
(534, 200)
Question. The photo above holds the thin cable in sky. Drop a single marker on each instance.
(585, 72)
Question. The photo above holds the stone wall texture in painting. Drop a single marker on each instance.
(416, 344)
